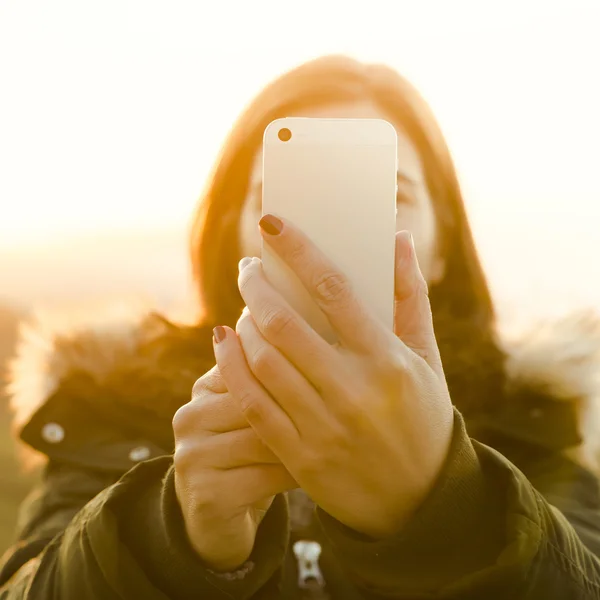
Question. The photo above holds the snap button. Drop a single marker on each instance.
(53, 433)
(139, 453)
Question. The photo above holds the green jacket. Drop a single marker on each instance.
(515, 513)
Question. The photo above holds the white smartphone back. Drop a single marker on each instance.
(336, 180)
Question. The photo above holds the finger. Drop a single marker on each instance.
(237, 448)
(413, 321)
(265, 416)
(286, 385)
(226, 489)
(250, 484)
(330, 289)
(284, 328)
(210, 413)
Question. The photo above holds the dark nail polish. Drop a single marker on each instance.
(271, 224)
(219, 334)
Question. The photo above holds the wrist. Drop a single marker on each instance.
(406, 495)
(223, 564)
(223, 545)
(457, 530)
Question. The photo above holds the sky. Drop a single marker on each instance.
(111, 114)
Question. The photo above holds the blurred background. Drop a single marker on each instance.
(111, 114)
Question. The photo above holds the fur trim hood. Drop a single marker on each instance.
(136, 360)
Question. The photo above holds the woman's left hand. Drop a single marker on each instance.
(364, 426)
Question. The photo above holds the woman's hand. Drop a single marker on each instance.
(225, 476)
(364, 426)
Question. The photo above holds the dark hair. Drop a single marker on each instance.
(461, 301)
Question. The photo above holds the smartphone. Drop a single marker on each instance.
(336, 180)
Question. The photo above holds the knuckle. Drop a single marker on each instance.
(183, 457)
(261, 361)
(251, 406)
(182, 419)
(199, 387)
(276, 321)
(243, 322)
(191, 416)
(332, 288)
(210, 382)
(204, 489)
(194, 458)
(297, 252)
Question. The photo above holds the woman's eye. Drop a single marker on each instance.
(403, 197)
(405, 191)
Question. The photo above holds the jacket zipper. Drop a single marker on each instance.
(310, 577)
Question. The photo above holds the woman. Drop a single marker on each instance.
(408, 504)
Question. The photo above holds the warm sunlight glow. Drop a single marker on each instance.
(111, 114)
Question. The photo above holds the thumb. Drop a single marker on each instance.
(413, 322)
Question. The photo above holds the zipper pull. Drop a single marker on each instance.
(309, 573)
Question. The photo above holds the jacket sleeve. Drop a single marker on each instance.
(484, 532)
(126, 540)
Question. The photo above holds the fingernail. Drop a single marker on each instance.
(219, 334)
(271, 224)
(244, 263)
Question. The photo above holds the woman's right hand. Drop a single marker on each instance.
(225, 477)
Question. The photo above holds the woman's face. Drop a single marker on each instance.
(415, 207)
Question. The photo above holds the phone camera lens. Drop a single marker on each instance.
(285, 135)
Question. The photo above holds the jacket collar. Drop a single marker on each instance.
(126, 361)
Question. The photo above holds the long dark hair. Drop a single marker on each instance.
(461, 301)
